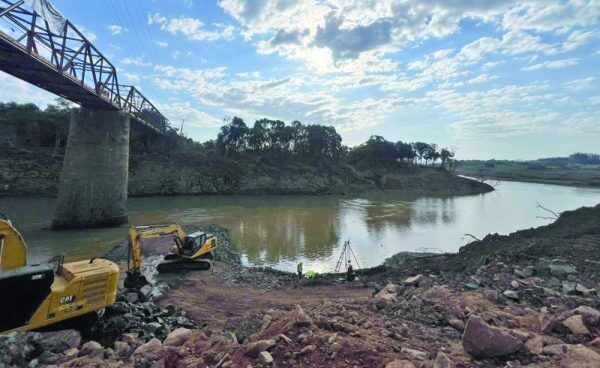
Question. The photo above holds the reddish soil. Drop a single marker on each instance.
(205, 298)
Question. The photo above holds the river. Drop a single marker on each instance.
(280, 231)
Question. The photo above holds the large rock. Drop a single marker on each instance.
(254, 348)
(484, 341)
(265, 358)
(576, 325)
(535, 345)
(413, 280)
(573, 356)
(585, 291)
(511, 294)
(581, 357)
(148, 349)
(91, 348)
(561, 269)
(400, 364)
(178, 337)
(590, 315)
(388, 293)
(301, 319)
(457, 324)
(59, 341)
(443, 361)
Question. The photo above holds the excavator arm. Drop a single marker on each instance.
(137, 235)
(13, 251)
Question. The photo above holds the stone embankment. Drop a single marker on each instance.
(37, 172)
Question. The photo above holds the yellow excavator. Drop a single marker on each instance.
(35, 296)
(193, 251)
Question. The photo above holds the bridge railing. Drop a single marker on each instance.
(139, 106)
(73, 55)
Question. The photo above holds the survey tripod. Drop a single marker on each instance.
(346, 256)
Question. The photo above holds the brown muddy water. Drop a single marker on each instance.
(280, 231)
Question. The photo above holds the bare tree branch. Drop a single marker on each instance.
(473, 236)
(547, 210)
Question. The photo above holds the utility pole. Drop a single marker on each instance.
(181, 129)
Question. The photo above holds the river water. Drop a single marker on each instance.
(280, 231)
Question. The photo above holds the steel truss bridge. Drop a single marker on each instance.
(67, 64)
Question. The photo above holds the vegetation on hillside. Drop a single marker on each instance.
(267, 140)
(579, 169)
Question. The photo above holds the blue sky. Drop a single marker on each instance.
(491, 78)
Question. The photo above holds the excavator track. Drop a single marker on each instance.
(178, 265)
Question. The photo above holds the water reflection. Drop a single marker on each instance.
(279, 231)
(269, 236)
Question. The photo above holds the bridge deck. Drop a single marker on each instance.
(32, 68)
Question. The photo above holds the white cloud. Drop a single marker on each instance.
(579, 38)
(179, 110)
(482, 78)
(192, 28)
(162, 44)
(581, 84)
(326, 34)
(289, 98)
(582, 123)
(131, 78)
(16, 90)
(492, 64)
(544, 16)
(91, 36)
(116, 29)
(137, 61)
(557, 64)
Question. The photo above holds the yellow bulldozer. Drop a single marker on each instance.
(35, 296)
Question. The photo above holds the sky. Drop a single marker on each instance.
(501, 79)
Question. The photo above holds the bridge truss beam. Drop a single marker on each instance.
(68, 64)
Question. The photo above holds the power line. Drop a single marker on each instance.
(139, 36)
(114, 13)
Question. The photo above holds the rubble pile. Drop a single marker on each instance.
(135, 313)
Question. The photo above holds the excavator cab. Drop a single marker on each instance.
(193, 243)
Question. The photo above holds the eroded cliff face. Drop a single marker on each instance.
(37, 172)
(25, 172)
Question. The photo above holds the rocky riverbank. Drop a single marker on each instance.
(524, 300)
(36, 172)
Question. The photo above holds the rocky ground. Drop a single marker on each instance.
(524, 300)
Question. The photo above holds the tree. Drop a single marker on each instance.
(431, 153)
(446, 156)
(232, 138)
(406, 153)
(420, 149)
(59, 116)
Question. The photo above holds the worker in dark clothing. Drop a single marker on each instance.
(350, 272)
(300, 271)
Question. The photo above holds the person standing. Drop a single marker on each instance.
(299, 271)
(350, 272)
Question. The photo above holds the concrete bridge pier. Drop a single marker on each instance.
(93, 182)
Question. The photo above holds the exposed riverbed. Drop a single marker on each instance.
(279, 231)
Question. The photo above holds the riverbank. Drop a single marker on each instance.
(36, 172)
(532, 172)
(528, 299)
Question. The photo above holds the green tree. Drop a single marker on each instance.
(58, 116)
(232, 138)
